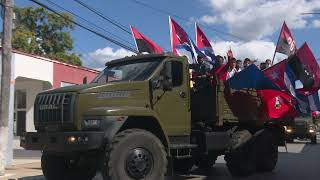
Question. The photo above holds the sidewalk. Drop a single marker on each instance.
(25, 165)
(24, 171)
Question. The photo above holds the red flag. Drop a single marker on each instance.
(286, 44)
(144, 44)
(277, 104)
(309, 64)
(221, 72)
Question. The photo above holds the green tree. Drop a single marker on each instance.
(41, 32)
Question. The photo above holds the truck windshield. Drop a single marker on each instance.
(137, 70)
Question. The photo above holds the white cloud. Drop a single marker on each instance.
(255, 50)
(99, 57)
(316, 23)
(256, 19)
(209, 19)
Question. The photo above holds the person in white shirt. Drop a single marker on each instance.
(238, 65)
(232, 68)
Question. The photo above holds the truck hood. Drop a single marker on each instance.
(94, 87)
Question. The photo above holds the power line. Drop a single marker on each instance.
(316, 13)
(100, 14)
(92, 24)
(185, 19)
(86, 28)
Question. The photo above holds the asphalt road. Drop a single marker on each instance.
(301, 162)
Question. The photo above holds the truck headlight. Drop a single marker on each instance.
(289, 130)
(91, 123)
(311, 131)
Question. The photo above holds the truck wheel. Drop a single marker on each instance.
(134, 154)
(290, 140)
(241, 162)
(206, 162)
(266, 150)
(183, 165)
(314, 139)
(63, 168)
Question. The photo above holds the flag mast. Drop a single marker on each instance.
(275, 51)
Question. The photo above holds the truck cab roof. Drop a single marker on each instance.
(142, 56)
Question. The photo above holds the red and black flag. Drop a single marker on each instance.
(305, 67)
(145, 45)
(286, 44)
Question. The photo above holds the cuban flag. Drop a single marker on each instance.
(282, 75)
(181, 43)
(309, 103)
(204, 45)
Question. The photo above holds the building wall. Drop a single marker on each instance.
(33, 68)
(70, 74)
(32, 88)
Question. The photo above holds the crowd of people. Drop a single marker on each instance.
(223, 68)
(234, 65)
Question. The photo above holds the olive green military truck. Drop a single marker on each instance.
(140, 119)
(302, 128)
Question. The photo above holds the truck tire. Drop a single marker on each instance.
(64, 168)
(182, 165)
(240, 163)
(314, 139)
(206, 162)
(290, 140)
(134, 154)
(266, 150)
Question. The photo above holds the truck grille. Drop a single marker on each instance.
(54, 108)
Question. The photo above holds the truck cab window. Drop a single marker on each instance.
(177, 73)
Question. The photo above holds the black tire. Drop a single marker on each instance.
(182, 165)
(65, 168)
(206, 162)
(134, 154)
(240, 163)
(290, 140)
(266, 151)
(314, 140)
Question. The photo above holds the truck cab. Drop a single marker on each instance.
(139, 118)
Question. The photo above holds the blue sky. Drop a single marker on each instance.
(257, 21)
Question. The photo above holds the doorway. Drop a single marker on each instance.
(20, 107)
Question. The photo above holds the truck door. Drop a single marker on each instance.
(172, 106)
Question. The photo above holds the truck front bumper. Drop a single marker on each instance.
(62, 141)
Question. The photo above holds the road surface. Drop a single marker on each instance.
(302, 162)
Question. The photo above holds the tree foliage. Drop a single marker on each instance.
(41, 32)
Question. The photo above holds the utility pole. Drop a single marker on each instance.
(5, 81)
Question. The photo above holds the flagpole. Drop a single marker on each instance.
(135, 42)
(275, 51)
(195, 29)
(171, 43)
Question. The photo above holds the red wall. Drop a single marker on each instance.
(71, 74)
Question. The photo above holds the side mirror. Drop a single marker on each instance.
(85, 80)
(166, 74)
